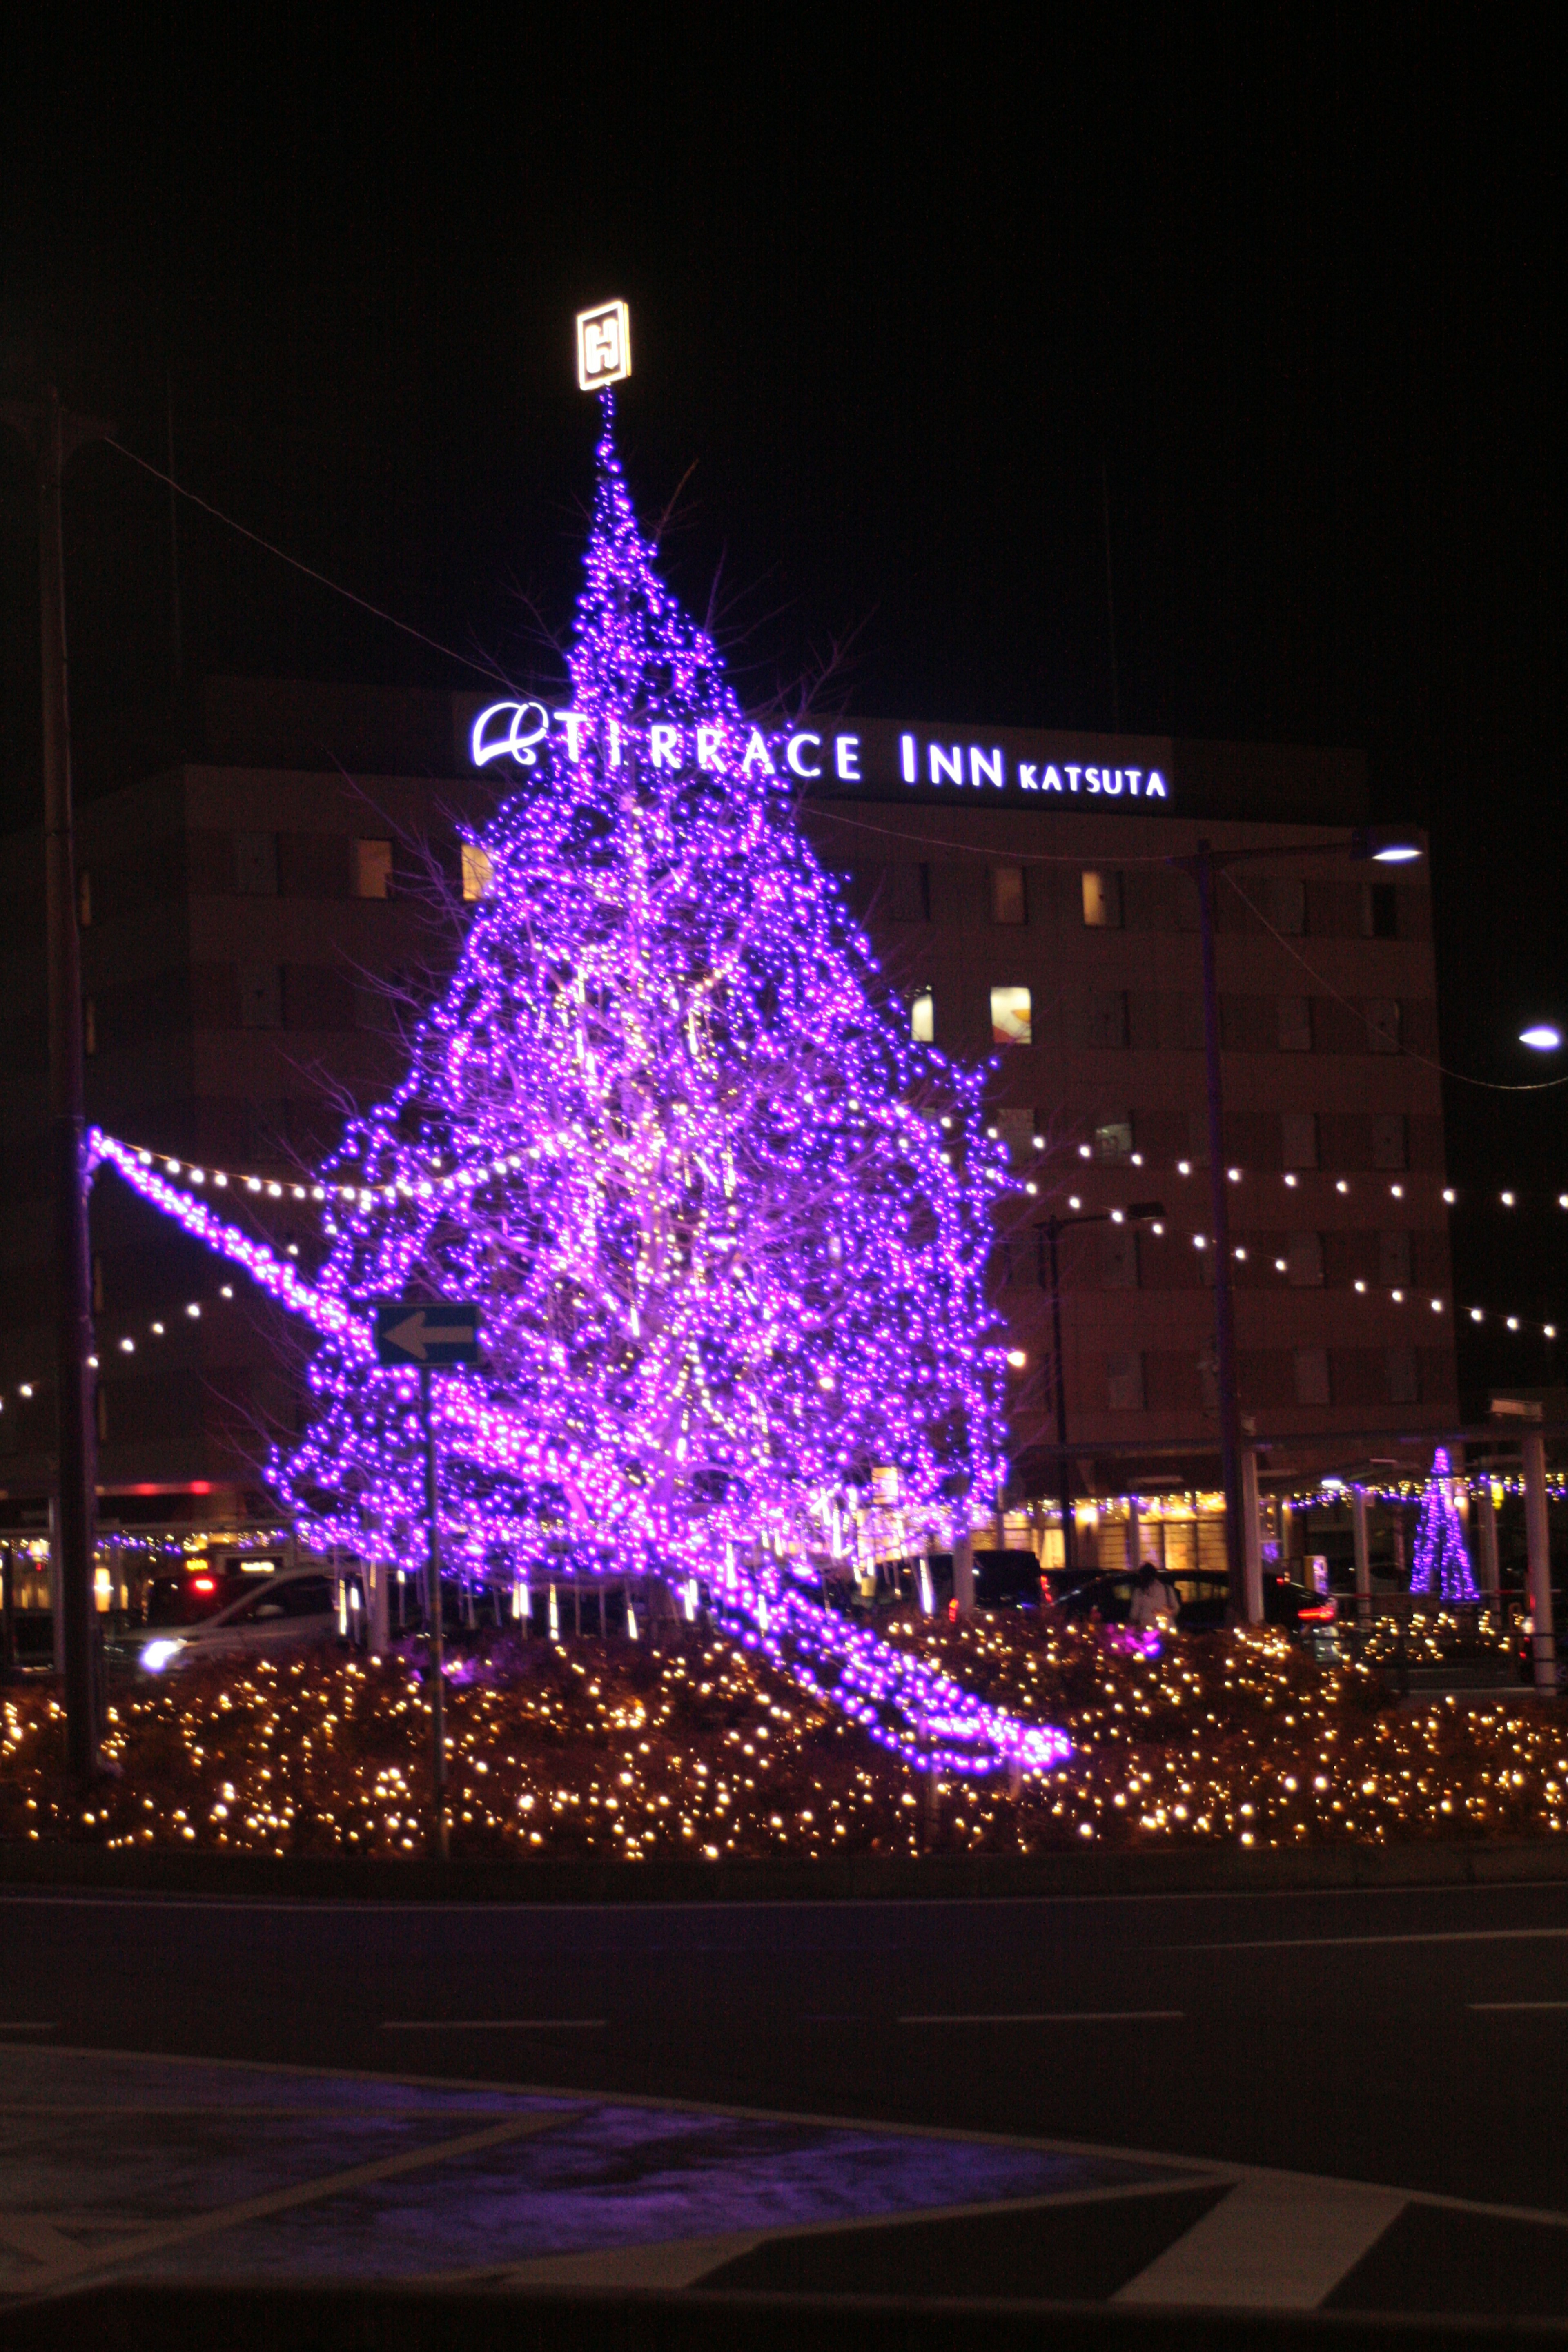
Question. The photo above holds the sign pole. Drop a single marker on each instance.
(437, 1669)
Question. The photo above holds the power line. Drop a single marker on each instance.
(483, 669)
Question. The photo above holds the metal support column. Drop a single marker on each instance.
(1362, 1556)
(1543, 1641)
(1251, 1534)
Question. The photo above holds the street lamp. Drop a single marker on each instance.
(1140, 1213)
(1542, 1038)
(1380, 846)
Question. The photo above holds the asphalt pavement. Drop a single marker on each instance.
(1289, 2099)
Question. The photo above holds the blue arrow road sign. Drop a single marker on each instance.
(415, 1331)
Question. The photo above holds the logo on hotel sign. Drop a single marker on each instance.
(604, 346)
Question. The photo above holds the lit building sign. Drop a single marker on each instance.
(883, 759)
(604, 346)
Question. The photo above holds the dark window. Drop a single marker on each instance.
(1383, 1025)
(1304, 1264)
(908, 894)
(1286, 904)
(1119, 1257)
(1394, 1268)
(1295, 1024)
(1380, 921)
(1390, 1144)
(255, 864)
(261, 996)
(1124, 1382)
(306, 1596)
(1312, 1376)
(373, 869)
(1298, 1138)
(1009, 902)
(1404, 1377)
(1107, 1016)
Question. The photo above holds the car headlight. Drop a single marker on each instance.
(157, 1654)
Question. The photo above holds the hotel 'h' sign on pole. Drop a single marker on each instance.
(604, 346)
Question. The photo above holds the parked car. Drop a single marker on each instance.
(292, 1606)
(1200, 1599)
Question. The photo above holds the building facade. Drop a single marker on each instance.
(259, 912)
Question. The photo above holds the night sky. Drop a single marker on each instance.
(922, 301)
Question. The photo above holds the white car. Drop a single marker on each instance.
(292, 1606)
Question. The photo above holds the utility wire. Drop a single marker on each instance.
(1460, 1078)
(484, 669)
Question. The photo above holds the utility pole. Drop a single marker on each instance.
(437, 1661)
(1137, 1212)
(53, 435)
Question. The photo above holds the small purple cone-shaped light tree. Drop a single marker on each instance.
(1442, 1565)
(726, 1223)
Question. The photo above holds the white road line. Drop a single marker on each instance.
(1517, 2004)
(1055, 2017)
(1279, 2244)
(492, 2025)
(1324, 1943)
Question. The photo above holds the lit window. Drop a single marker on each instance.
(373, 869)
(477, 872)
(1008, 903)
(1012, 1021)
(1113, 1136)
(923, 1017)
(1102, 901)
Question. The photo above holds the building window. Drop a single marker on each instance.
(1390, 1145)
(1298, 1139)
(1113, 1136)
(908, 894)
(1124, 1382)
(1107, 1016)
(1102, 901)
(1285, 897)
(1119, 1257)
(1016, 1129)
(261, 996)
(84, 900)
(89, 1025)
(1404, 1377)
(1009, 903)
(373, 869)
(255, 864)
(1295, 1024)
(1304, 1261)
(1380, 921)
(923, 1017)
(1012, 1020)
(478, 873)
(1393, 1264)
(1312, 1376)
(1383, 1025)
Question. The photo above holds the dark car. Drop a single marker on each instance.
(1008, 1580)
(1200, 1599)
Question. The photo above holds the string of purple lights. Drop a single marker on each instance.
(728, 1224)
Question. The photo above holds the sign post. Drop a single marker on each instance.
(413, 1332)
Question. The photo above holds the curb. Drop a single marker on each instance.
(865, 1878)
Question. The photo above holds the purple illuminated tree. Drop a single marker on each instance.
(726, 1222)
(1442, 1564)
